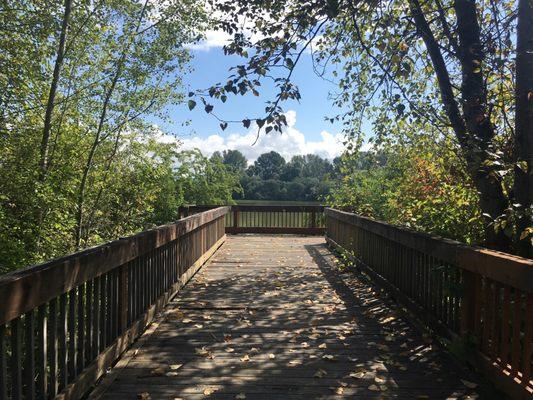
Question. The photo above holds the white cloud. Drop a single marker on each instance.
(288, 143)
(213, 39)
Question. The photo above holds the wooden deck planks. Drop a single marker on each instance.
(272, 317)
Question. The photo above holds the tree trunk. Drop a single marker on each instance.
(472, 128)
(83, 183)
(45, 141)
(479, 127)
(523, 184)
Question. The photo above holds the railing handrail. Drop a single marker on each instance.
(502, 267)
(260, 207)
(28, 288)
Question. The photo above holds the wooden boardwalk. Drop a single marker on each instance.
(273, 317)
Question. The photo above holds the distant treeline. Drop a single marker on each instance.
(305, 177)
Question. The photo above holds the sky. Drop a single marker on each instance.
(307, 131)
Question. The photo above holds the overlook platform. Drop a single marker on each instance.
(269, 302)
(272, 317)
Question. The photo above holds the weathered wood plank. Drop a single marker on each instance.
(265, 316)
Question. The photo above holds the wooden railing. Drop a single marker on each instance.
(63, 323)
(275, 219)
(481, 298)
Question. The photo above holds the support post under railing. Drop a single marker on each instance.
(468, 303)
(123, 305)
(235, 218)
(313, 219)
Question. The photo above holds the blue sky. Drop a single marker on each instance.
(308, 132)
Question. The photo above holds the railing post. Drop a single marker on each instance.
(468, 303)
(235, 219)
(123, 305)
(313, 219)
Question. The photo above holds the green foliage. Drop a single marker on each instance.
(205, 181)
(422, 186)
(304, 178)
(99, 170)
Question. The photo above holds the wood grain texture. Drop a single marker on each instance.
(273, 317)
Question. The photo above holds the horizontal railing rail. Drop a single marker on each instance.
(480, 297)
(64, 322)
(270, 219)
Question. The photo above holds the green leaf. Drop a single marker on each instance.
(191, 104)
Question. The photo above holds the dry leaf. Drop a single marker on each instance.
(357, 375)
(245, 358)
(271, 356)
(230, 350)
(175, 366)
(320, 373)
(468, 384)
(171, 373)
(379, 379)
(240, 396)
(158, 371)
(374, 388)
(144, 396)
(208, 391)
(322, 346)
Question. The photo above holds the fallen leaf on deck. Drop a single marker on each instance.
(322, 346)
(176, 366)
(208, 391)
(468, 384)
(144, 396)
(374, 388)
(240, 396)
(320, 373)
(159, 371)
(271, 356)
(357, 375)
(245, 358)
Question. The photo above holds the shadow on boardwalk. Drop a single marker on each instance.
(272, 317)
